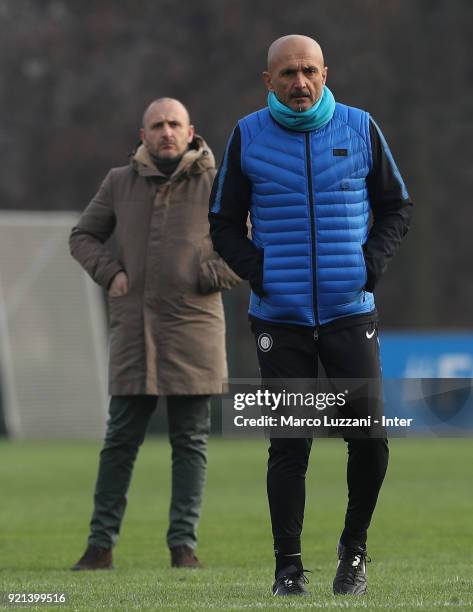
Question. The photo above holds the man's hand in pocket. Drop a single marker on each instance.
(119, 285)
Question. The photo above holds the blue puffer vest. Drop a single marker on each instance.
(310, 214)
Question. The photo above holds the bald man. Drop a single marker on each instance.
(310, 171)
(167, 329)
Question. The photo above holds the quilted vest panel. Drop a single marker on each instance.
(309, 205)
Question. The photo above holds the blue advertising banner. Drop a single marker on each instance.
(426, 355)
(428, 377)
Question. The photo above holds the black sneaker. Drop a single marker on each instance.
(290, 581)
(351, 571)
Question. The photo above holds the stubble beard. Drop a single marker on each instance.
(167, 157)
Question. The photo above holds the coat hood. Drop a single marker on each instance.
(197, 159)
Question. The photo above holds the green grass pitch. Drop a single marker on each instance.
(421, 540)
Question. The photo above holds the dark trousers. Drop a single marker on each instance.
(345, 352)
(189, 426)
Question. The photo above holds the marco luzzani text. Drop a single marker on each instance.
(318, 401)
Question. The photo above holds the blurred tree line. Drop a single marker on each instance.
(76, 76)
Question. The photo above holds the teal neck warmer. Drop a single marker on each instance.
(311, 119)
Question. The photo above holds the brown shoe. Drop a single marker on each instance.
(94, 558)
(183, 556)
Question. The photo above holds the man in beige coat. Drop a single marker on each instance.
(167, 328)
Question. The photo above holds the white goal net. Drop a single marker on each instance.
(53, 353)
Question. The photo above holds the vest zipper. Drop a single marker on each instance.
(312, 224)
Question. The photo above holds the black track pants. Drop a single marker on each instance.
(345, 352)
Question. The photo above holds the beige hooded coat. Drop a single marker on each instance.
(167, 334)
